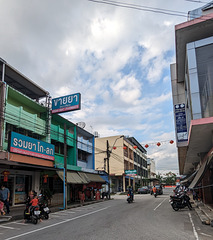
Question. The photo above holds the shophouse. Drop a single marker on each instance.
(37, 146)
(192, 89)
(25, 148)
(124, 154)
(140, 163)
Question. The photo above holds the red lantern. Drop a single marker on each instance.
(124, 147)
(171, 141)
(114, 147)
(158, 144)
(135, 147)
(6, 174)
(146, 146)
(45, 178)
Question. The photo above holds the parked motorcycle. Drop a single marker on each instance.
(43, 205)
(33, 215)
(180, 200)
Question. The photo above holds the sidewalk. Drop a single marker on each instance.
(17, 212)
(204, 212)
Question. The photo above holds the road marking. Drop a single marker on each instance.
(207, 235)
(159, 204)
(193, 227)
(3, 226)
(65, 221)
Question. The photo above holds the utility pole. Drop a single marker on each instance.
(65, 166)
(108, 156)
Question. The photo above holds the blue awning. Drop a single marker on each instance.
(128, 177)
(105, 178)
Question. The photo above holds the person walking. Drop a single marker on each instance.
(5, 196)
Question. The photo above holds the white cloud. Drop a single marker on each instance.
(117, 58)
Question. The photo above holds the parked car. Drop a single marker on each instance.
(159, 190)
(144, 189)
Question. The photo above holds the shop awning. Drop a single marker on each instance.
(95, 178)
(84, 177)
(201, 171)
(189, 178)
(72, 177)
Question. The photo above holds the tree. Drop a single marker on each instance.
(170, 178)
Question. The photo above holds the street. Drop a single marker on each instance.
(146, 218)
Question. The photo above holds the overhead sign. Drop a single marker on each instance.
(32, 147)
(131, 172)
(66, 103)
(180, 118)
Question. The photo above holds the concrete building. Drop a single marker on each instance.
(192, 90)
(125, 154)
(34, 144)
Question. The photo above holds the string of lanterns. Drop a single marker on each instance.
(148, 144)
(158, 143)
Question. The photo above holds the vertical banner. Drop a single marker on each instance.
(180, 119)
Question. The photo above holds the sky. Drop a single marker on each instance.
(117, 57)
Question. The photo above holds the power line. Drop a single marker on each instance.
(141, 8)
(146, 8)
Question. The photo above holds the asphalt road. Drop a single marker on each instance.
(146, 218)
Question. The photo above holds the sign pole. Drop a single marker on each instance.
(65, 165)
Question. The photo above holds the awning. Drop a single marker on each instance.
(95, 178)
(105, 178)
(72, 177)
(189, 178)
(202, 170)
(84, 177)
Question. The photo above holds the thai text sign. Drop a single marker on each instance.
(31, 146)
(131, 172)
(66, 103)
(180, 118)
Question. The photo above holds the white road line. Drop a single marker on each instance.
(65, 221)
(159, 204)
(2, 226)
(193, 226)
(207, 235)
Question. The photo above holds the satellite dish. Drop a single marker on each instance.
(81, 124)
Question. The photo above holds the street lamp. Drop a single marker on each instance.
(108, 156)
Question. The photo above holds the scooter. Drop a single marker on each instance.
(33, 215)
(43, 205)
(155, 194)
(179, 201)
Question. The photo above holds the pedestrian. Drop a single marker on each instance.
(2, 207)
(5, 196)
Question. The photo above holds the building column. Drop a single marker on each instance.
(124, 184)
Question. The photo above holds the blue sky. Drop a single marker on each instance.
(117, 58)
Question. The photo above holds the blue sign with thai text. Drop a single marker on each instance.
(66, 103)
(180, 118)
(32, 147)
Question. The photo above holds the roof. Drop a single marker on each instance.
(19, 82)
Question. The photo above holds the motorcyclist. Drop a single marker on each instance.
(154, 189)
(131, 193)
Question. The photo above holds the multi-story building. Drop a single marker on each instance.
(192, 85)
(151, 170)
(34, 143)
(24, 133)
(124, 154)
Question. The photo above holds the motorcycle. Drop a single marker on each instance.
(43, 205)
(180, 200)
(129, 198)
(33, 215)
(155, 194)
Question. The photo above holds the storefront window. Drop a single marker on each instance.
(21, 183)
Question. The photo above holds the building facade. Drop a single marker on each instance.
(192, 83)
(37, 148)
(124, 154)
